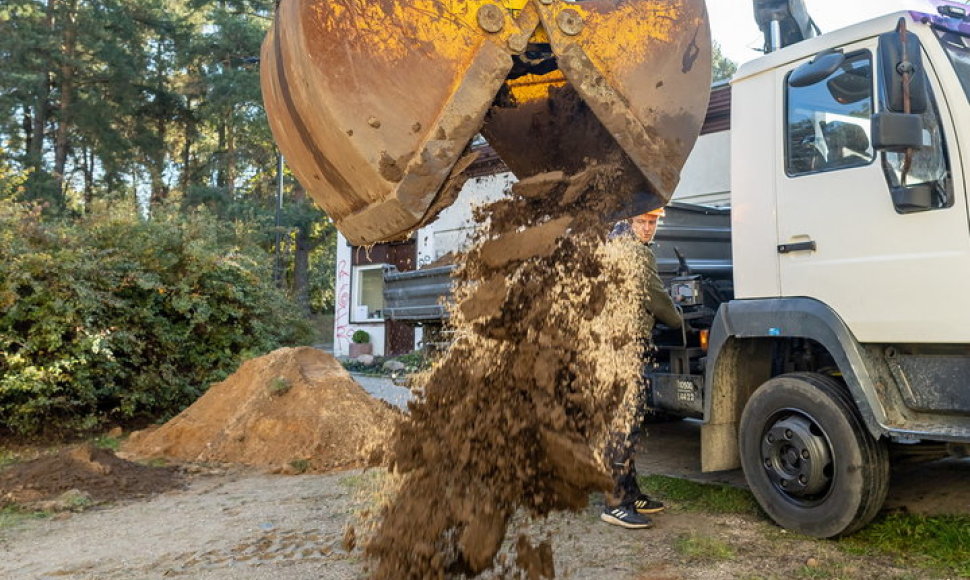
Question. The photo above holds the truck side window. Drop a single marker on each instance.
(828, 123)
(928, 167)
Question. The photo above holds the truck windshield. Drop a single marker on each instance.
(958, 48)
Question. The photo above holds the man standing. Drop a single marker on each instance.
(627, 505)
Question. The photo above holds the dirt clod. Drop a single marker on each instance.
(322, 420)
(349, 541)
(535, 561)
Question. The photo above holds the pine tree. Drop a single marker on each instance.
(724, 68)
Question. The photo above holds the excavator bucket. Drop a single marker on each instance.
(374, 103)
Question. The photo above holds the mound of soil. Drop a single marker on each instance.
(96, 473)
(295, 408)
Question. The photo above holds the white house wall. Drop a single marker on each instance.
(343, 329)
(454, 226)
(706, 178)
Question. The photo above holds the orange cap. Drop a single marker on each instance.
(659, 212)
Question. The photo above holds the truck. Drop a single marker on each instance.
(841, 332)
(848, 202)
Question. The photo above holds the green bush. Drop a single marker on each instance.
(112, 319)
(360, 337)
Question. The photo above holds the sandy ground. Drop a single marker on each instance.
(250, 525)
(245, 524)
(228, 526)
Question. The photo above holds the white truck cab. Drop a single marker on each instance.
(848, 331)
(813, 208)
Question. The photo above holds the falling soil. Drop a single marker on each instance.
(95, 473)
(295, 409)
(517, 414)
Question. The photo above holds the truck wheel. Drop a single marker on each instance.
(808, 457)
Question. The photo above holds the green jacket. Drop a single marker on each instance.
(657, 304)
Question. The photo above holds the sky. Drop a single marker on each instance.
(733, 25)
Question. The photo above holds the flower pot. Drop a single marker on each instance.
(357, 349)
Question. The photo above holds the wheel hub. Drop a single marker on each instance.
(796, 456)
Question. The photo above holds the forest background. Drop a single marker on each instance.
(140, 256)
(142, 252)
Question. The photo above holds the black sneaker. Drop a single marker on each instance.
(645, 505)
(625, 516)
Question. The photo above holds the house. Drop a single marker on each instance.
(360, 284)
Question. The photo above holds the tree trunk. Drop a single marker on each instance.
(301, 269)
(87, 154)
(301, 257)
(66, 84)
(159, 190)
(157, 161)
(185, 179)
(28, 126)
(41, 105)
(230, 159)
(220, 162)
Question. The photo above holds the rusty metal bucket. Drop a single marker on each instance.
(374, 103)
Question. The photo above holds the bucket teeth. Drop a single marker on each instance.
(374, 103)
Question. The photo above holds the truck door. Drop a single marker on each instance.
(888, 272)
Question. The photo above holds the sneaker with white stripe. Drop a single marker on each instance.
(625, 517)
(645, 505)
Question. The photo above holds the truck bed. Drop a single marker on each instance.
(701, 233)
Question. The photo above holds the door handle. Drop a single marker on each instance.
(808, 246)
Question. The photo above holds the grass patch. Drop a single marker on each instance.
(701, 497)
(695, 547)
(77, 502)
(7, 458)
(824, 571)
(940, 543)
(279, 387)
(107, 442)
(300, 465)
(365, 480)
(13, 515)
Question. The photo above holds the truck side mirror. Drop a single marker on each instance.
(897, 132)
(818, 69)
(913, 199)
(900, 55)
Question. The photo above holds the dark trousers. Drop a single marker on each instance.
(620, 454)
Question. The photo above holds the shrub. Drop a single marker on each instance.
(360, 337)
(112, 319)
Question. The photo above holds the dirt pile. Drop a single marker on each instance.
(97, 474)
(295, 408)
(517, 414)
